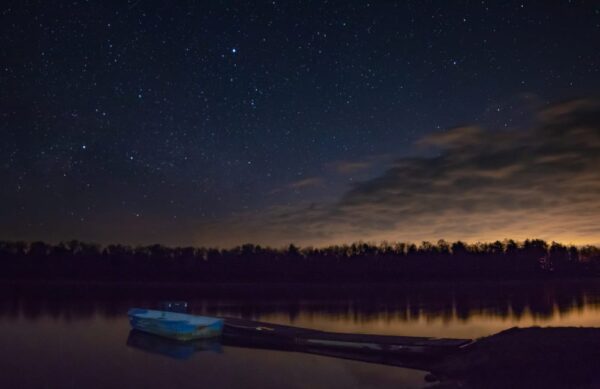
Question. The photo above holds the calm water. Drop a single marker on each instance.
(62, 336)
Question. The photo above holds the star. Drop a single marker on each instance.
(166, 102)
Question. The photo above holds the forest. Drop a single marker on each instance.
(357, 262)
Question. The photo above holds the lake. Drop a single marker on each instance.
(72, 336)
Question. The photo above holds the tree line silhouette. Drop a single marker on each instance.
(357, 262)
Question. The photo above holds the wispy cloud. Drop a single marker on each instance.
(306, 182)
(362, 165)
(349, 167)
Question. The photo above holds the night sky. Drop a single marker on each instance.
(217, 123)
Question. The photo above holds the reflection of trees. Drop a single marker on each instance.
(358, 304)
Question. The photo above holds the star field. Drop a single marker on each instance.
(146, 121)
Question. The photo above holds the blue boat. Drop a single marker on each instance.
(174, 325)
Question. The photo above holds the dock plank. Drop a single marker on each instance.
(290, 336)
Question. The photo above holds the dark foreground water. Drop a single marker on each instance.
(75, 336)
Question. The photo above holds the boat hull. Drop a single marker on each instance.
(175, 326)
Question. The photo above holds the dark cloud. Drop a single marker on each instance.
(475, 184)
(494, 184)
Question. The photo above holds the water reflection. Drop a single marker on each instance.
(73, 336)
(170, 348)
(467, 310)
(174, 349)
(92, 352)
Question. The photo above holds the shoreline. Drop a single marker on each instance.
(323, 285)
(529, 357)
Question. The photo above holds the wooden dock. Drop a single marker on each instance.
(269, 335)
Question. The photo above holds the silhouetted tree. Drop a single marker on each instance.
(357, 262)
